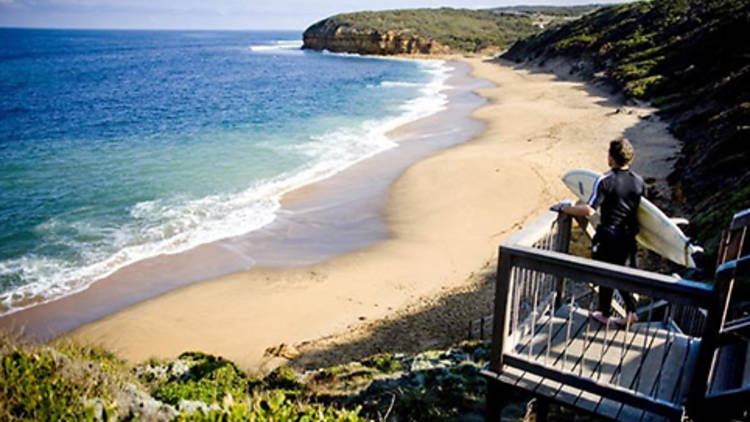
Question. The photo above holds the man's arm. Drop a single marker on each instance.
(580, 210)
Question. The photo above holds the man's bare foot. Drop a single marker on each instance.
(632, 318)
(597, 315)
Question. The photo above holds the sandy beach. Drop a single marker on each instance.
(445, 217)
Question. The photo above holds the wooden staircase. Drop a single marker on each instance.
(686, 357)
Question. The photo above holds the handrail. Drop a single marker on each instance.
(610, 275)
(738, 268)
(728, 397)
(534, 231)
(740, 219)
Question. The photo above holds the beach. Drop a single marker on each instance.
(444, 219)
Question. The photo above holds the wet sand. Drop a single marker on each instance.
(444, 218)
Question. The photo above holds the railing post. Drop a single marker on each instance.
(563, 226)
(495, 399)
(710, 340)
(501, 318)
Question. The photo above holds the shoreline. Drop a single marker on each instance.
(446, 215)
(300, 234)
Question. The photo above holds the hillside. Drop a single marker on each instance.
(71, 382)
(691, 59)
(426, 31)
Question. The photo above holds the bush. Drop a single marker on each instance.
(42, 384)
(209, 380)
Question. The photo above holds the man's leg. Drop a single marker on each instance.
(605, 301)
(630, 305)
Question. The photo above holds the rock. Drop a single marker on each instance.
(133, 402)
(283, 350)
(192, 406)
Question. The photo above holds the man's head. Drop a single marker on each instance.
(621, 153)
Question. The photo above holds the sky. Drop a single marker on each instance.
(213, 14)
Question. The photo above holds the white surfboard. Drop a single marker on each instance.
(657, 232)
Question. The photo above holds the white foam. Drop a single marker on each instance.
(398, 84)
(278, 45)
(174, 225)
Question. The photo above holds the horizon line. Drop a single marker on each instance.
(50, 28)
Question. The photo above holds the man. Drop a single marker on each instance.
(618, 193)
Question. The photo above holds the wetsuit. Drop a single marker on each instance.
(618, 194)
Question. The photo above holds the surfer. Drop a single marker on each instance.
(617, 194)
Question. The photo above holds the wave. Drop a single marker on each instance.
(278, 45)
(169, 226)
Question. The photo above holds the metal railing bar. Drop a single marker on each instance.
(598, 365)
(637, 375)
(657, 381)
(650, 345)
(680, 376)
(736, 324)
(555, 363)
(714, 372)
(652, 306)
(619, 366)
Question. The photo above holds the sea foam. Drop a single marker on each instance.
(278, 45)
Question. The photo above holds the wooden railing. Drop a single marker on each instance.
(544, 340)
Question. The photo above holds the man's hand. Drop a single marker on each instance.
(562, 205)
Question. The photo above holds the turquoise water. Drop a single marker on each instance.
(120, 145)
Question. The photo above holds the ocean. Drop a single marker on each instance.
(116, 146)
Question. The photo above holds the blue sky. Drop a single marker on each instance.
(211, 14)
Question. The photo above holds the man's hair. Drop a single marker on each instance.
(621, 151)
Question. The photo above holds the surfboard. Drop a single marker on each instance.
(658, 232)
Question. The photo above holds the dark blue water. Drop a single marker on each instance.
(119, 145)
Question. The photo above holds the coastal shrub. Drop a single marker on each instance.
(283, 378)
(210, 379)
(384, 362)
(43, 384)
(271, 407)
(572, 44)
(641, 88)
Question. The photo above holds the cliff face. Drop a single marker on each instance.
(341, 37)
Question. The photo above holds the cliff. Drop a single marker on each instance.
(689, 58)
(428, 31)
(341, 37)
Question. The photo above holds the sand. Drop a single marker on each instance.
(446, 216)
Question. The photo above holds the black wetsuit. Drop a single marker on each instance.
(618, 194)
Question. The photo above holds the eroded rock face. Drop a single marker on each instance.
(343, 38)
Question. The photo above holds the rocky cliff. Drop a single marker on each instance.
(420, 31)
(342, 37)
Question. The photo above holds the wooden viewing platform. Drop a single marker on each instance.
(686, 357)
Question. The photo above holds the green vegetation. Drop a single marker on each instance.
(384, 362)
(461, 30)
(209, 380)
(41, 383)
(690, 58)
(562, 11)
(68, 382)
